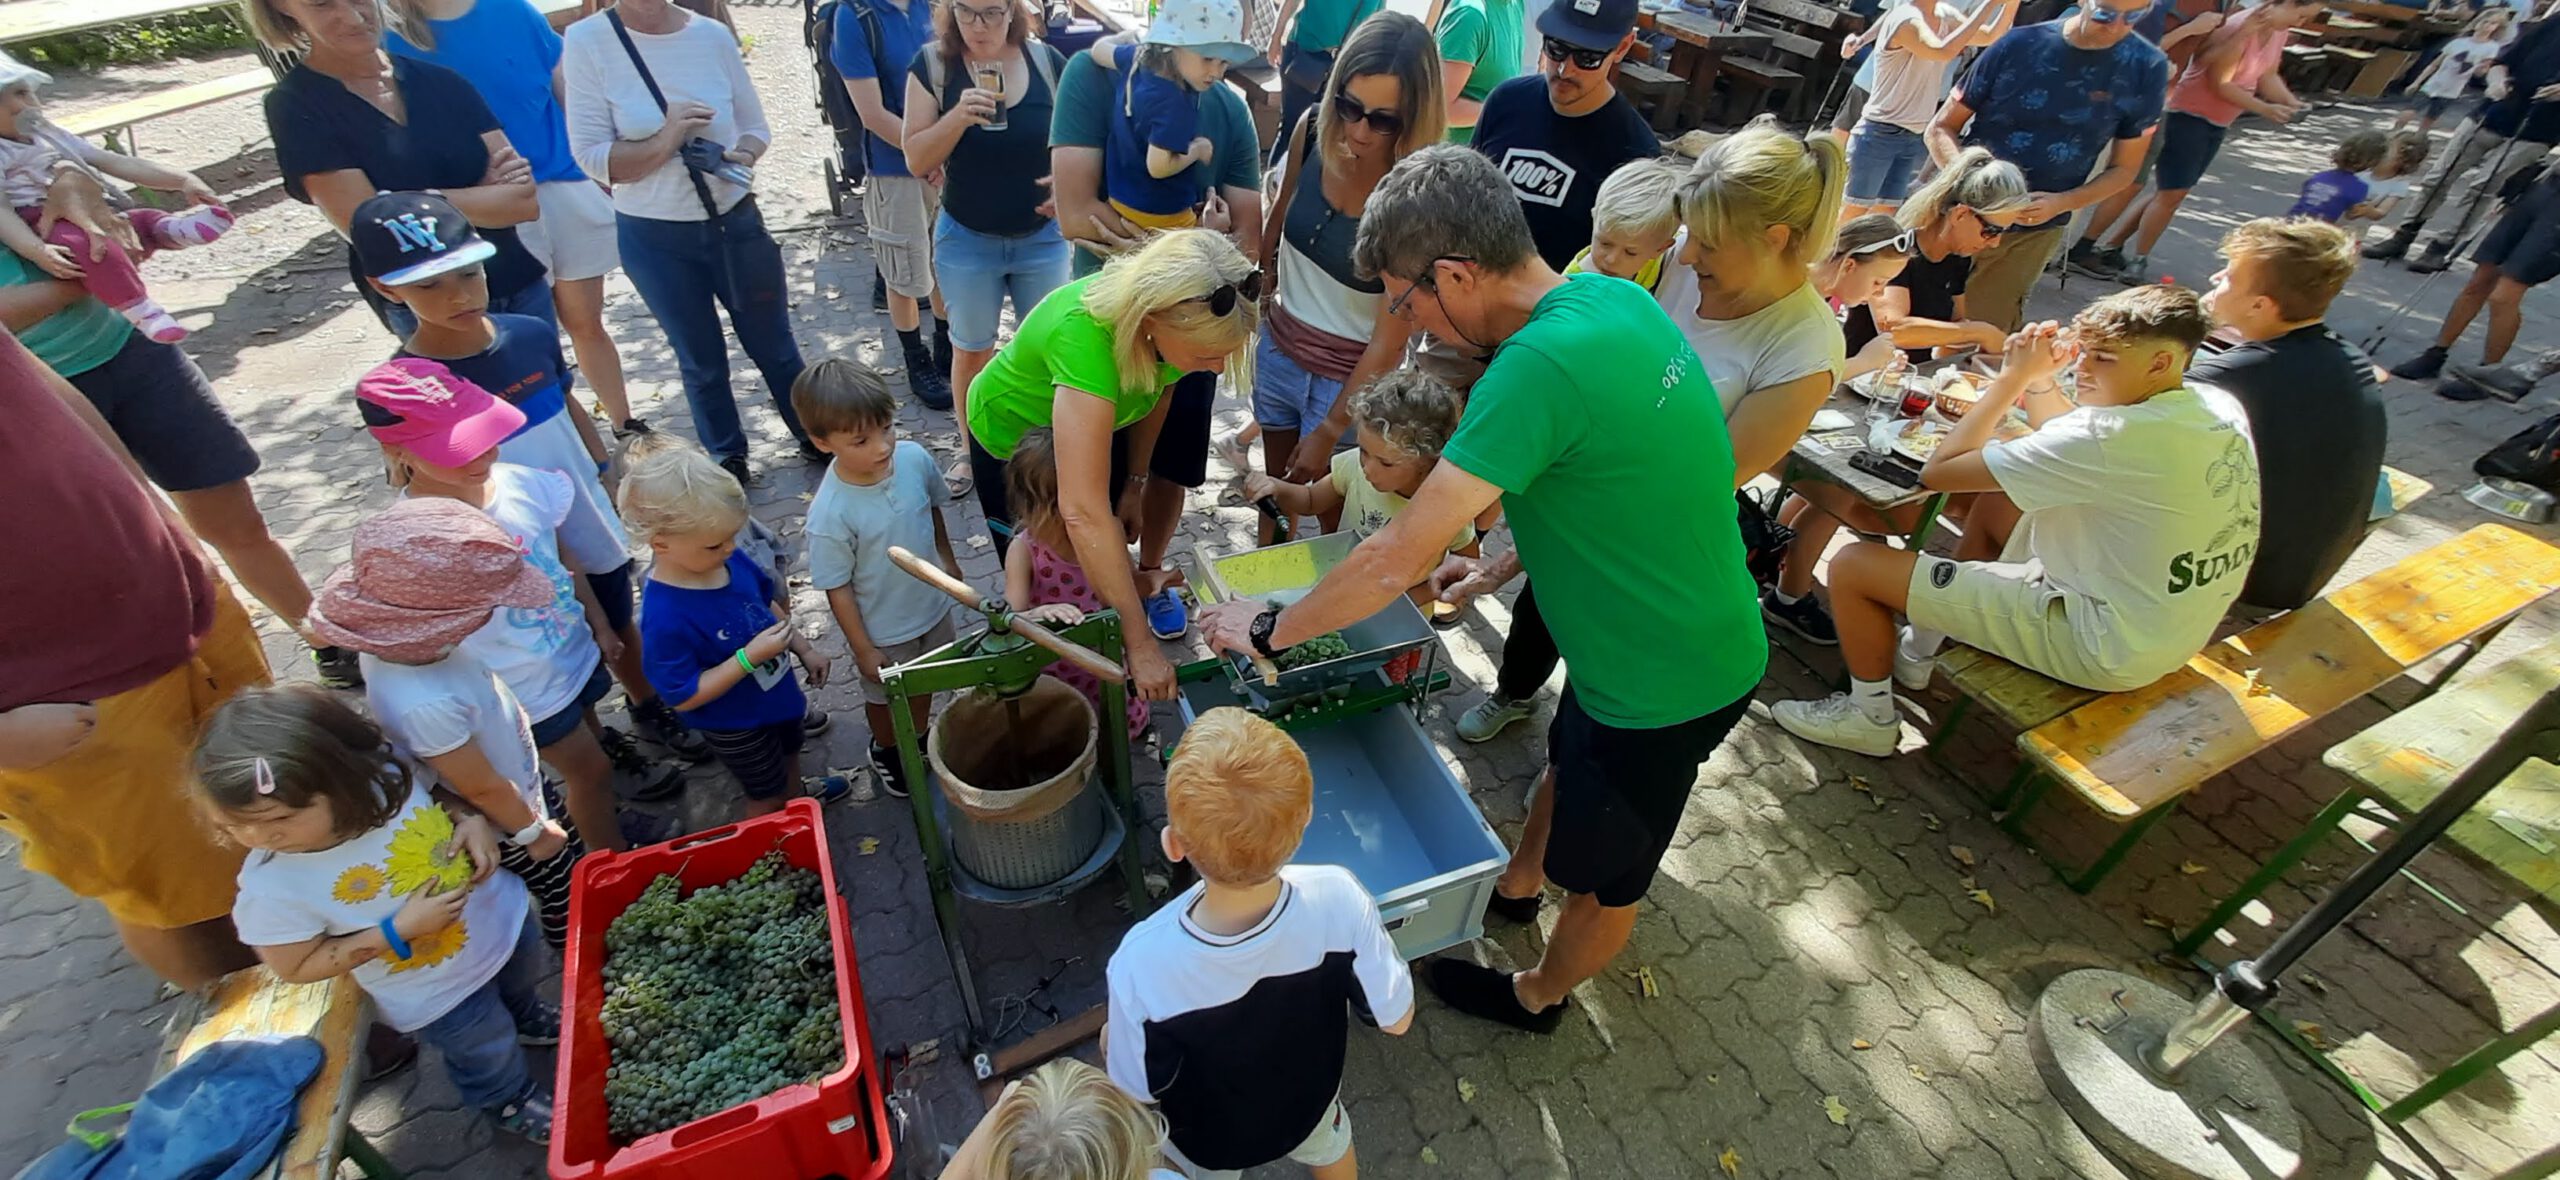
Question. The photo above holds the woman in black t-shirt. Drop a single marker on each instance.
(1959, 214)
(350, 120)
(993, 239)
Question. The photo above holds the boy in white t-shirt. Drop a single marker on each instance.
(2139, 522)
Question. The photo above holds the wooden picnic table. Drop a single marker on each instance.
(2396, 768)
(1698, 46)
(1825, 456)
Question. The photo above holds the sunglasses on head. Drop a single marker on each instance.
(1222, 301)
(1383, 121)
(1900, 243)
(1587, 59)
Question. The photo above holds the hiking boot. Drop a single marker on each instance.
(930, 382)
(736, 466)
(2088, 258)
(660, 723)
(2423, 367)
(1838, 722)
(2436, 257)
(1491, 716)
(338, 667)
(942, 346)
(651, 781)
(889, 770)
(2508, 383)
(1804, 616)
(528, 1117)
(2391, 247)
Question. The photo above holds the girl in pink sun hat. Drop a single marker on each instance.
(425, 576)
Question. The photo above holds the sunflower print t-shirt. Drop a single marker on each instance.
(291, 897)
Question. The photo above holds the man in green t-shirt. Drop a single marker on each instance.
(1480, 48)
(1597, 428)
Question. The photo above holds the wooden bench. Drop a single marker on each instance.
(2132, 755)
(1654, 92)
(254, 1003)
(114, 119)
(1753, 86)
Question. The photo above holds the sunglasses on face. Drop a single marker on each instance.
(2101, 14)
(1586, 59)
(1989, 228)
(1222, 301)
(1383, 121)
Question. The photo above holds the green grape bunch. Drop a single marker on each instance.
(717, 997)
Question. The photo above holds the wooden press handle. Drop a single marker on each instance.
(1068, 650)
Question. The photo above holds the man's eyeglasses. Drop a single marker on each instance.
(981, 17)
(1222, 301)
(1395, 306)
(1586, 59)
(1383, 121)
(1990, 228)
(1901, 243)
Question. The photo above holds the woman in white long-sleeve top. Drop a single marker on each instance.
(690, 231)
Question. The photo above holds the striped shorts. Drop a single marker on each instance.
(547, 880)
(760, 758)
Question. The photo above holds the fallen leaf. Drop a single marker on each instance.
(2156, 922)
(869, 845)
(2251, 686)
(2311, 1033)
(1862, 1044)
(1919, 1073)
(805, 497)
(1984, 896)
(1430, 1157)
(1731, 1162)
(1931, 819)
(1838, 1110)
(1466, 1090)
(1860, 785)
(1963, 855)
(1646, 983)
(2190, 868)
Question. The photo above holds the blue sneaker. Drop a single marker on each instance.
(1166, 616)
(831, 789)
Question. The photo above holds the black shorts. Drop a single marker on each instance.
(548, 731)
(2188, 145)
(2525, 243)
(761, 758)
(164, 410)
(1620, 794)
(613, 595)
(1181, 455)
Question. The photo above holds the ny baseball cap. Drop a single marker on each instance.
(446, 420)
(425, 574)
(1589, 24)
(404, 238)
(1210, 28)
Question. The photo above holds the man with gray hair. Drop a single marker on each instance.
(1596, 427)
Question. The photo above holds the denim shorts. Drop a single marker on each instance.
(1882, 160)
(976, 271)
(1285, 396)
(548, 731)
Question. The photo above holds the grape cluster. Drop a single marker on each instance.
(717, 998)
(1328, 646)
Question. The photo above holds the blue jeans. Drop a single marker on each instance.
(1287, 397)
(682, 269)
(976, 271)
(534, 300)
(1882, 160)
(478, 1037)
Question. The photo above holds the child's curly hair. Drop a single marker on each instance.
(2409, 148)
(1413, 411)
(670, 487)
(2361, 151)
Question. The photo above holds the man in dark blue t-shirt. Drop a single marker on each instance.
(1560, 132)
(898, 209)
(2512, 133)
(2057, 100)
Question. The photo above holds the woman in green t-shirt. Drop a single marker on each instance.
(1093, 362)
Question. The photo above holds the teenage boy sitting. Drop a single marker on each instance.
(1230, 1006)
(2139, 520)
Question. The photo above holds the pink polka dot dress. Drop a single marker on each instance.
(1057, 579)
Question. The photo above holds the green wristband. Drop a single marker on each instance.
(745, 664)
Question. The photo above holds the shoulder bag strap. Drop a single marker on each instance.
(701, 187)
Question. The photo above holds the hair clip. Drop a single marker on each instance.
(263, 776)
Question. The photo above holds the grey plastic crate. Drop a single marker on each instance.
(1388, 809)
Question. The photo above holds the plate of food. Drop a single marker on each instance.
(1919, 440)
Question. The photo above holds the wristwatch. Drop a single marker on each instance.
(525, 836)
(1260, 633)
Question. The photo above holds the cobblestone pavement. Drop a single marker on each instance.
(1812, 934)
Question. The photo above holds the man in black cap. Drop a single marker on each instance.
(1558, 134)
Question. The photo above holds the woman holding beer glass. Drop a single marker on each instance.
(978, 103)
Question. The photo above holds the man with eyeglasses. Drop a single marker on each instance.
(1596, 427)
(1558, 134)
(2058, 100)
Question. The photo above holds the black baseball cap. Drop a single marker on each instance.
(404, 238)
(1589, 24)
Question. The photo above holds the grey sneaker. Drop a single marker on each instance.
(2087, 258)
(1838, 722)
(2135, 272)
(1491, 716)
(2504, 382)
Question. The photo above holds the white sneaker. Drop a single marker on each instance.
(1910, 674)
(1490, 717)
(1837, 721)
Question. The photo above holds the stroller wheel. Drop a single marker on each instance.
(835, 188)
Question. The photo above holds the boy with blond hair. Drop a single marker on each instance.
(1230, 1005)
(1634, 218)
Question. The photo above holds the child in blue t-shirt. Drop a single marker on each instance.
(715, 627)
(1155, 126)
(2329, 195)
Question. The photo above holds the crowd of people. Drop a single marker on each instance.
(1464, 297)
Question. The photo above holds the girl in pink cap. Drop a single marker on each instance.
(426, 575)
(440, 434)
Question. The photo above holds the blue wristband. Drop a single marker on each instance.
(399, 946)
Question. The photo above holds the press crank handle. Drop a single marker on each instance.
(968, 596)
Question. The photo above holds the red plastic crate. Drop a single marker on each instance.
(832, 1130)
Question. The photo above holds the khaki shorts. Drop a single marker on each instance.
(112, 819)
(2004, 274)
(898, 653)
(575, 237)
(899, 212)
(1328, 1143)
(2009, 608)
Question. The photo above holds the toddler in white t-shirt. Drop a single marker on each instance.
(354, 869)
